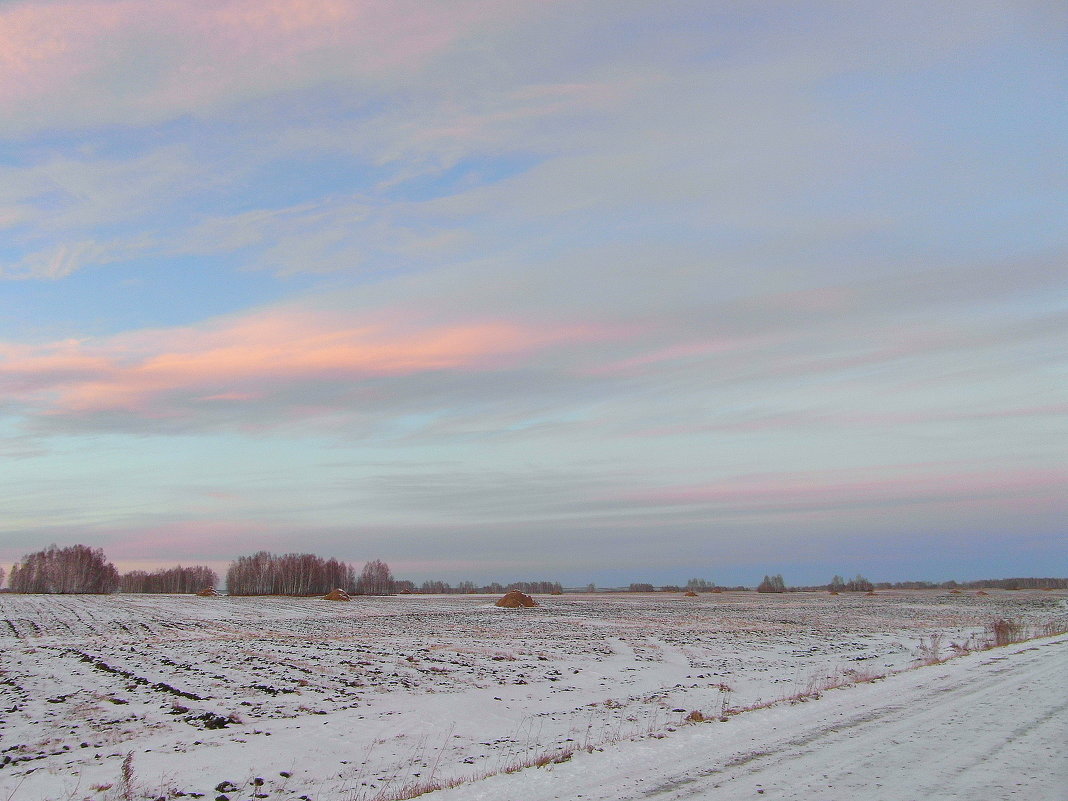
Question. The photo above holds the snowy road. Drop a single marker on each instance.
(989, 725)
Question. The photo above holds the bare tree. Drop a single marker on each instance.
(183, 580)
(438, 587)
(772, 584)
(859, 584)
(531, 587)
(700, 585)
(75, 569)
(265, 573)
(376, 579)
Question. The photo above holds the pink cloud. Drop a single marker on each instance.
(809, 420)
(681, 352)
(823, 299)
(183, 56)
(924, 416)
(187, 540)
(168, 372)
(816, 491)
(43, 45)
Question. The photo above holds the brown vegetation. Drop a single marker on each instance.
(337, 594)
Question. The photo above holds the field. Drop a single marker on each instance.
(140, 696)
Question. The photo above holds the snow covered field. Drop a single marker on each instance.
(284, 698)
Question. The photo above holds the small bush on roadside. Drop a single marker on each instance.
(930, 650)
(1006, 632)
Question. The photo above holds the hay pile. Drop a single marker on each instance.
(982, 592)
(690, 594)
(337, 595)
(516, 600)
(207, 592)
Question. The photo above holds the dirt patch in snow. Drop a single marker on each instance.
(516, 600)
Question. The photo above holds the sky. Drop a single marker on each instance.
(597, 291)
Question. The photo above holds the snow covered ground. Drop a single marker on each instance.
(355, 700)
(991, 725)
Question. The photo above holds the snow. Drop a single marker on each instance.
(979, 727)
(353, 699)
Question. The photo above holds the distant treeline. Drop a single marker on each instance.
(1013, 584)
(469, 587)
(693, 585)
(81, 569)
(861, 584)
(175, 579)
(265, 573)
(75, 569)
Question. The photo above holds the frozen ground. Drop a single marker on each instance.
(350, 700)
(991, 725)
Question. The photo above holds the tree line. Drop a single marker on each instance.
(1013, 584)
(861, 584)
(175, 580)
(75, 569)
(435, 587)
(265, 573)
(82, 569)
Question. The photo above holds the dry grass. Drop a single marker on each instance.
(126, 778)
(929, 651)
(418, 788)
(553, 756)
(1006, 632)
